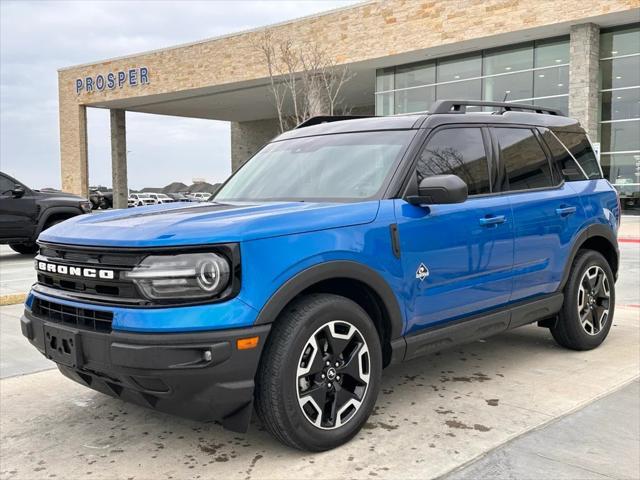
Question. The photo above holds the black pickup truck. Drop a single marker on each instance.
(24, 212)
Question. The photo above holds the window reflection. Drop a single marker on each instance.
(495, 72)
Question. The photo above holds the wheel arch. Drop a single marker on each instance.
(599, 238)
(352, 280)
(55, 213)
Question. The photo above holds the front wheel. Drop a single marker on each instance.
(589, 301)
(320, 373)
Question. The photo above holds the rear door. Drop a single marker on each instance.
(546, 211)
(456, 258)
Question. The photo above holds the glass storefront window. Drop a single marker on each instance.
(620, 136)
(469, 90)
(385, 79)
(621, 104)
(459, 68)
(621, 168)
(415, 75)
(551, 81)
(384, 103)
(505, 60)
(559, 103)
(525, 72)
(620, 72)
(622, 41)
(515, 87)
(414, 99)
(549, 53)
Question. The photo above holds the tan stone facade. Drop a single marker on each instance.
(361, 33)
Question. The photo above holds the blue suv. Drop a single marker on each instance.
(341, 247)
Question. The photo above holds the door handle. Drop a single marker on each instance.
(565, 211)
(492, 220)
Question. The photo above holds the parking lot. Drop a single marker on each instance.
(480, 410)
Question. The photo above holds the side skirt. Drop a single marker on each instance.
(481, 326)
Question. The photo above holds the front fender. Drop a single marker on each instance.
(326, 271)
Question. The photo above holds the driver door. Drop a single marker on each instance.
(17, 214)
(466, 249)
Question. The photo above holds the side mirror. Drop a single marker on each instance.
(440, 189)
(17, 191)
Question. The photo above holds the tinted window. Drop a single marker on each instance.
(566, 166)
(524, 159)
(580, 148)
(6, 185)
(458, 151)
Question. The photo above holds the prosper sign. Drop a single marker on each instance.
(112, 80)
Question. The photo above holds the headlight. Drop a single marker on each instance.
(189, 276)
(85, 207)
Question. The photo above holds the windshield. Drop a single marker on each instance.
(347, 166)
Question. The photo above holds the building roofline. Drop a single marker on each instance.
(220, 37)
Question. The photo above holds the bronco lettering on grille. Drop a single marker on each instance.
(76, 271)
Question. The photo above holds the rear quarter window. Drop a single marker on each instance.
(578, 144)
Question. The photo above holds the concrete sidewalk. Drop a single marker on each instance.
(602, 440)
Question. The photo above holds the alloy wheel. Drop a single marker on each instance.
(332, 377)
(594, 296)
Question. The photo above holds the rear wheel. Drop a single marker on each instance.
(320, 373)
(589, 301)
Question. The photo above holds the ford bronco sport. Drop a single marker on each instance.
(341, 247)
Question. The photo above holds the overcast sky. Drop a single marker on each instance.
(37, 38)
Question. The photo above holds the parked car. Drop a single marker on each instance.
(199, 196)
(140, 200)
(179, 197)
(25, 212)
(100, 200)
(392, 238)
(161, 198)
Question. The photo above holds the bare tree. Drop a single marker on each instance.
(304, 80)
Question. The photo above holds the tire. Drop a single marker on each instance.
(25, 248)
(290, 383)
(589, 303)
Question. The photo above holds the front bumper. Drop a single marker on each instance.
(169, 372)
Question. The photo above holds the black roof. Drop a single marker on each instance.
(507, 114)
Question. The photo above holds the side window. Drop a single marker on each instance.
(6, 185)
(564, 162)
(524, 159)
(580, 148)
(457, 151)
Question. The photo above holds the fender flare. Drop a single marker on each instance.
(327, 271)
(594, 230)
(47, 213)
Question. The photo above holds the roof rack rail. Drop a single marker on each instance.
(460, 106)
(329, 118)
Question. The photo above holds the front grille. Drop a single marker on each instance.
(117, 291)
(85, 318)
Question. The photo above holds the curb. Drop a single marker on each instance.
(12, 298)
(629, 240)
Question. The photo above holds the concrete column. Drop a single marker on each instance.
(248, 137)
(119, 158)
(584, 67)
(73, 148)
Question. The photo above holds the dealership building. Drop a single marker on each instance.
(579, 56)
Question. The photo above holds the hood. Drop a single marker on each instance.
(206, 223)
(60, 195)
